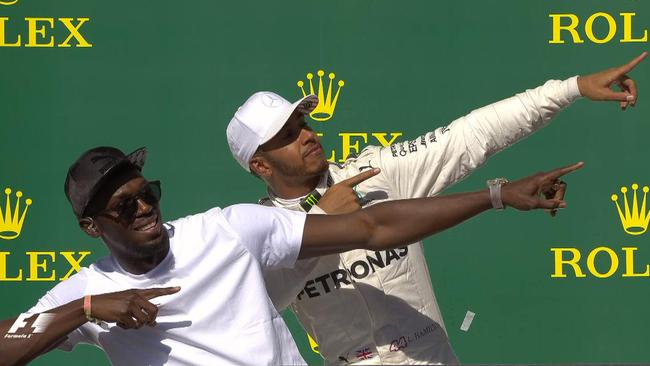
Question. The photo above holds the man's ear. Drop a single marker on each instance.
(260, 167)
(89, 226)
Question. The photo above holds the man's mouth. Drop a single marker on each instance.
(149, 224)
(315, 150)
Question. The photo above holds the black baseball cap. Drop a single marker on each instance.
(93, 169)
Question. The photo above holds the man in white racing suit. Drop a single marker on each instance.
(379, 307)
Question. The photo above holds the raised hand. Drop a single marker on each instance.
(341, 197)
(526, 193)
(598, 86)
(130, 309)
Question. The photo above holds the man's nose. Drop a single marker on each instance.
(143, 207)
(309, 135)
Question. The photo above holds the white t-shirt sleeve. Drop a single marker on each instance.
(69, 290)
(284, 284)
(272, 235)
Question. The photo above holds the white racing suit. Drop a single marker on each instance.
(371, 307)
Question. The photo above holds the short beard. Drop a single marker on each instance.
(149, 249)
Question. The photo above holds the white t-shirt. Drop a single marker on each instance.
(222, 314)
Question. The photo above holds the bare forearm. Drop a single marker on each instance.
(17, 351)
(389, 224)
(398, 223)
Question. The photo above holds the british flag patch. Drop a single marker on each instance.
(364, 354)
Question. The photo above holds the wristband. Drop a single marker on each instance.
(87, 310)
(495, 192)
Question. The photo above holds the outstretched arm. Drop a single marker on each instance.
(397, 223)
(445, 156)
(64, 320)
(129, 309)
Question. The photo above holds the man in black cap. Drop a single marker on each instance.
(222, 314)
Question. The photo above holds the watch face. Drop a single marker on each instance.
(497, 181)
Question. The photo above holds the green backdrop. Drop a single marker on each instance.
(169, 75)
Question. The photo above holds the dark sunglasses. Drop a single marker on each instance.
(127, 208)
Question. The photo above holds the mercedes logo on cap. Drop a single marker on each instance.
(271, 100)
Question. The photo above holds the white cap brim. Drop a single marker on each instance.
(305, 105)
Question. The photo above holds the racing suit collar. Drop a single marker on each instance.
(325, 182)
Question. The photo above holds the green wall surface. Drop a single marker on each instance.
(169, 75)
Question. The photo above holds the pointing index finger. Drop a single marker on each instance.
(554, 174)
(632, 64)
(353, 181)
(150, 293)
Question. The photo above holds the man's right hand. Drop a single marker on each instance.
(341, 197)
(130, 309)
(526, 193)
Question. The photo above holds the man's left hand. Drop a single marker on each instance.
(598, 86)
(555, 192)
(341, 198)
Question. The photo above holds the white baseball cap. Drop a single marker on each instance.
(260, 118)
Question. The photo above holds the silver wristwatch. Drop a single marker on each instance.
(495, 192)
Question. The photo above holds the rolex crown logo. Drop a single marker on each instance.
(326, 105)
(12, 222)
(634, 221)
